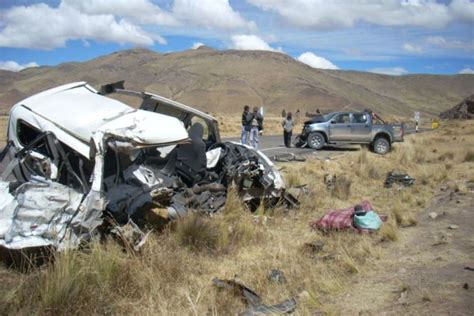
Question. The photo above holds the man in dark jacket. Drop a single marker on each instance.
(191, 157)
(246, 120)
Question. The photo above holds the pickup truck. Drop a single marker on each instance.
(350, 128)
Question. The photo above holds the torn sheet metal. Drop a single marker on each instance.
(254, 301)
(398, 177)
(38, 214)
(287, 157)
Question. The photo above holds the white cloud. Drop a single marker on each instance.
(322, 14)
(466, 71)
(314, 61)
(251, 42)
(393, 71)
(450, 44)
(140, 11)
(412, 48)
(197, 45)
(14, 66)
(210, 14)
(43, 27)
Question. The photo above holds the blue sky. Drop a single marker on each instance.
(394, 37)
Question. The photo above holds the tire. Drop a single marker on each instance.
(381, 146)
(316, 140)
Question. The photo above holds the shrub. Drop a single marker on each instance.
(469, 157)
(342, 187)
(198, 233)
(446, 156)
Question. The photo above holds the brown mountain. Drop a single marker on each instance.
(223, 81)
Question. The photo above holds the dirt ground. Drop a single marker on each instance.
(425, 272)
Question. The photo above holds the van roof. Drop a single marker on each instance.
(80, 110)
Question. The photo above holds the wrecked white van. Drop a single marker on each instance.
(77, 158)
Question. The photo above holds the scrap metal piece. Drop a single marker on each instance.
(288, 306)
(276, 276)
(398, 177)
(290, 200)
(253, 300)
(287, 157)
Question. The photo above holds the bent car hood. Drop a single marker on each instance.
(146, 128)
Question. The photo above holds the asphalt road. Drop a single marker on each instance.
(273, 145)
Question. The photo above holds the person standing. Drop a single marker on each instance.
(288, 125)
(246, 120)
(256, 127)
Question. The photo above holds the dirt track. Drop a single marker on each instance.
(425, 272)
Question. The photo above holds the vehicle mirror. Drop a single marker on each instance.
(333, 122)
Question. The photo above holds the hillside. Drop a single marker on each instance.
(223, 81)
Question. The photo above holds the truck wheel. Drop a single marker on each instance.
(316, 140)
(381, 146)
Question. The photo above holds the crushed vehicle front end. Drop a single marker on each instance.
(317, 124)
(56, 196)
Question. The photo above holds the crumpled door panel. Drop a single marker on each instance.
(38, 214)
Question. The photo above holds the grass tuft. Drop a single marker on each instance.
(342, 187)
(62, 283)
(389, 232)
(469, 157)
(199, 234)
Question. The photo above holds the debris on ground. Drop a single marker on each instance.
(398, 177)
(342, 219)
(314, 247)
(253, 300)
(442, 238)
(463, 110)
(403, 298)
(453, 227)
(277, 276)
(433, 215)
(330, 181)
(298, 191)
(287, 157)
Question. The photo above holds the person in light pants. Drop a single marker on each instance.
(287, 125)
(246, 120)
(256, 127)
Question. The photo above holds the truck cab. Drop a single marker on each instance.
(350, 128)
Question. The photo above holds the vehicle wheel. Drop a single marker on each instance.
(381, 146)
(316, 140)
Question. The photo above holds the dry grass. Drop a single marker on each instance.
(173, 273)
(3, 128)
